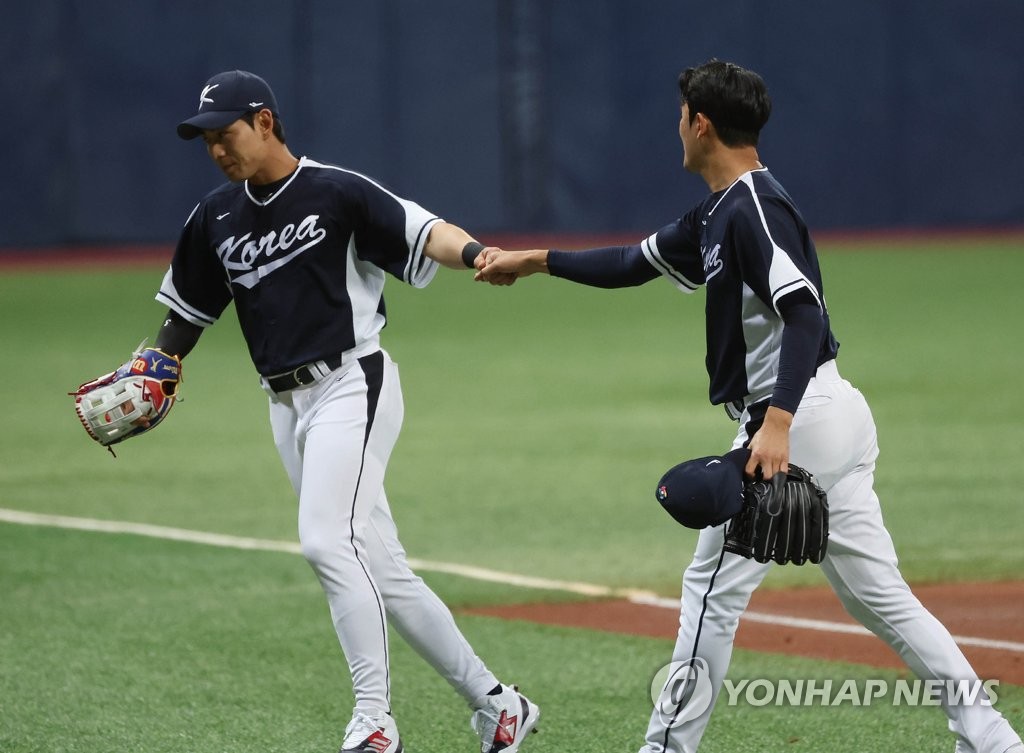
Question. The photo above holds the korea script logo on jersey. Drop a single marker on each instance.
(248, 260)
(712, 261)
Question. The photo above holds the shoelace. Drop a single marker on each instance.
(480, 717)
(361, 727)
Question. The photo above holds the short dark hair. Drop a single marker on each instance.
(250, 118)
(734, 99)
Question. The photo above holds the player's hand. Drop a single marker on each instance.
(494, 275)
(500, 267)
(769, 447)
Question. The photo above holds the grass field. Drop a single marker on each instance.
(538, 419)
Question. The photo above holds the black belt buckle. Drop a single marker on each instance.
(302, 376)
(290, 380)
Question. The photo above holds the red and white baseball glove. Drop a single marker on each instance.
(130, 400)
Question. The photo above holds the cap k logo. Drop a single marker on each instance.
(206, 90)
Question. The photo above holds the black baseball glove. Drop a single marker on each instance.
(785, 520)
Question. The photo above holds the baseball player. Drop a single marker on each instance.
(771, 358)
(302, 249)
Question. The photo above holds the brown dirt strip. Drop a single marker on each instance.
(146, 254)
(84, 257)
(992, 611)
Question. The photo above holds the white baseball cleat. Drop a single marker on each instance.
(505, 721)
(371, 733)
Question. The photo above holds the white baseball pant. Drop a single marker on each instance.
(833, 436)
(335, 438)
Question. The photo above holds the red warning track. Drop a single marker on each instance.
(985, 613)
(833, 240)
(84, 257)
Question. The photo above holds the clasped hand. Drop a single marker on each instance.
(500, 267)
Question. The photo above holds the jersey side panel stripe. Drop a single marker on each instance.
(364, 287)
(762, 334)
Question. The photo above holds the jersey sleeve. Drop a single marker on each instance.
(195, 285)
(675, 252)
(392, 232)
(607, 267)
(769, 243)
(798, 353)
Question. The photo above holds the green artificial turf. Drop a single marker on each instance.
(115, 643)
(538, 419)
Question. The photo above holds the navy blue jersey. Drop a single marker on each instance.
(305, 265)
(749, 246)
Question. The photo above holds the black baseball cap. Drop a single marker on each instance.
(705, 491)
(225, 98)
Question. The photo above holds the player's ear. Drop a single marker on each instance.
(703, 125)
(265, 119)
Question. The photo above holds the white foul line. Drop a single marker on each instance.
(636, 596)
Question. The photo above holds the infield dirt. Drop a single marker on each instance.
(991, 611)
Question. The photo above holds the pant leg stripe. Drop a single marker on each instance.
(696, 642)
(373, 372)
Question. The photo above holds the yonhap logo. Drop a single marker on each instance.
(850, 692)
(682, 691)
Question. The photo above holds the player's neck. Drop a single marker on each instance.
(728, 164)
(280, 163)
